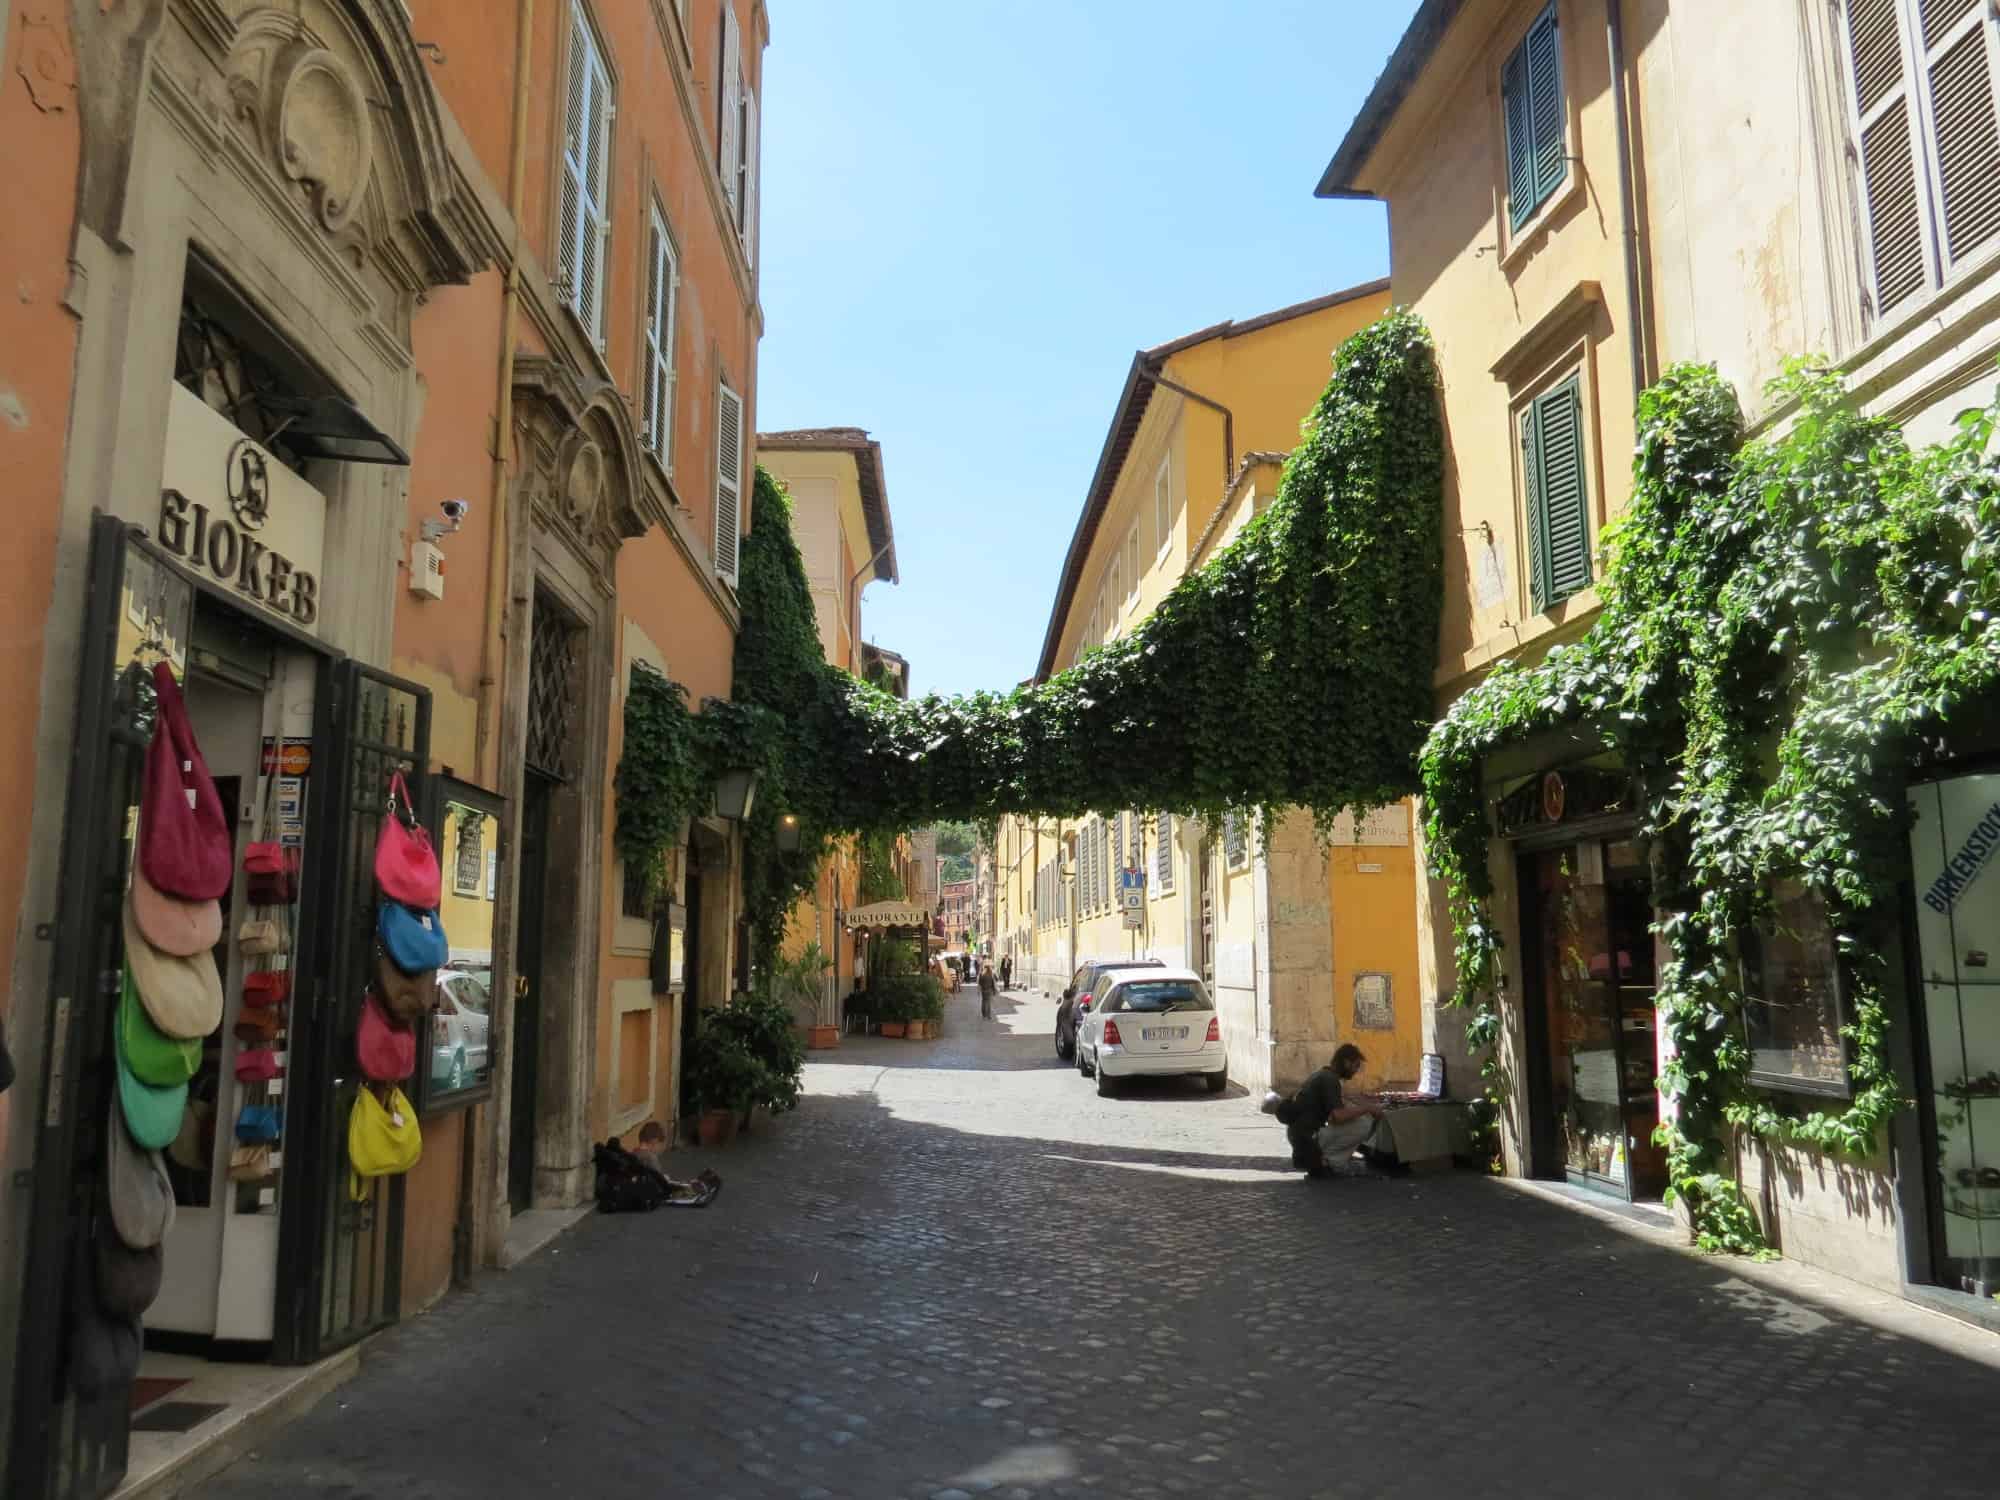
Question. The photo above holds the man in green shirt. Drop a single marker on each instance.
(1322, 1125)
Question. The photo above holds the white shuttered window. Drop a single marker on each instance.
(1163, 858)
(728, 480)
(663, 279)
(729, 127)
(584, 227)
(1926, 128)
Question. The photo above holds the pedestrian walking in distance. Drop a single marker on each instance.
(986, 989)
(1007, 972)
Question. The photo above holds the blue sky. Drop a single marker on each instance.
(971, 223)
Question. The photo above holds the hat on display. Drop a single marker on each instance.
(142, 1199)
(153, 1115)
(413, 939)
(182, 928)
(153, 1056)
(182, 995)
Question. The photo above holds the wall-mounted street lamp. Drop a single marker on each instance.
(788, 833)
(736, 793)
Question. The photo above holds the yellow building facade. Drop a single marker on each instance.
(846, 539)
(1303, 946)
(1582, 193)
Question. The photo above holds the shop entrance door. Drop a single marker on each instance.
(1954, 841)
(228, 720)
(525, 1040)
(1589, 1017)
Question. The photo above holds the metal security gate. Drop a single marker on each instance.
(339, 1258)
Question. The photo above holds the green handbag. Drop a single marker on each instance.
(154, 1057)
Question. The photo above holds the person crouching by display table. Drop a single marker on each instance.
(1324, 1127)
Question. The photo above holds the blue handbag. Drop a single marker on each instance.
(414, 940)
(258, 1124)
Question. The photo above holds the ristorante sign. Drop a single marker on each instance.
(232, 512)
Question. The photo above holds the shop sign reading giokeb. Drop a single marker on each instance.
(231, 511)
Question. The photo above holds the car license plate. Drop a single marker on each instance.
(1164, 1033)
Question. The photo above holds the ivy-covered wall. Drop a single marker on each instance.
(1787, 624)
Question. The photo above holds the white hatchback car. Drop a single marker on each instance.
(1152, 1023)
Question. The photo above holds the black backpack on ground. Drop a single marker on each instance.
(626, 1185)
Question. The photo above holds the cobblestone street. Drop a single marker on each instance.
(957, 1271)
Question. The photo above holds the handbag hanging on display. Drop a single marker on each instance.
(184, 839)
(259, 1124)
(413, 939)
(386, 1050)
(182, 995)
(270, 870)
(406, 866)
(407, 997)
(382, 1138)
(267, 987)
(258, 1065)
(258, 937)
(179, 928)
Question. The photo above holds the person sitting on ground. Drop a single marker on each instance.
(1323, 1127)
(987, 986)
(652, 1146)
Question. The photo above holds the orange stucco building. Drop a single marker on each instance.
(389, 372)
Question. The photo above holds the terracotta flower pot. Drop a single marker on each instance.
(893, 1028)
(822, 1037)
(718, 1127)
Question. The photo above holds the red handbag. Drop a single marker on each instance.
(185, 845)
(270, 870)
(406, 867)
(267, 987)
(387, 1052)
(258, 1065)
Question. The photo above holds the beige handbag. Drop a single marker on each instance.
(258, 936)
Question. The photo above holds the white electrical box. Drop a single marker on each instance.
(427, 570)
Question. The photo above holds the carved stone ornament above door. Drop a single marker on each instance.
(578, 457)
(337, 101)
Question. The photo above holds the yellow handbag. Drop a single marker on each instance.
(382, 1138)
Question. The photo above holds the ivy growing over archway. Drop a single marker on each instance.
(1293, 669)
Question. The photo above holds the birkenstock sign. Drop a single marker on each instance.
(231, 511)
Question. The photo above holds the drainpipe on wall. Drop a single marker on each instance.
(485, 750)
(499, 542)
(1156, 374)
(1614, 41)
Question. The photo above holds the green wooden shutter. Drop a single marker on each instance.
(1520, 137)
(1531, 92)
(1545, 87)
(1558, 502)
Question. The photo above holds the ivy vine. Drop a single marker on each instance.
(1787, 623)
(1292, 670)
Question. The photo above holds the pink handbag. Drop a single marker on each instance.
(257, 1065)
(387, 1052)
(406, 867)
(184, 839)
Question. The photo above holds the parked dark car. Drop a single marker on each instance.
(1077, 997)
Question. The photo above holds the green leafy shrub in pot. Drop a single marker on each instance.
(721, 1071)
(761, 1025)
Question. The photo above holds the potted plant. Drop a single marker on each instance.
(801, 984)
(927, 1002)
(722, 1076)
(761, 1025)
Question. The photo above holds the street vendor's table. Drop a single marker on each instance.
(1428, 1135)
